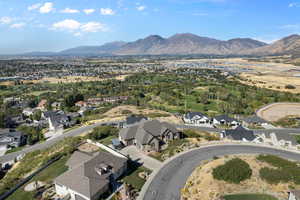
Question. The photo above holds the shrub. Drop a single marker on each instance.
(126, 112)
(233, 171)
(285, 171)
(290, 87)
(274, 176)
(102, 132)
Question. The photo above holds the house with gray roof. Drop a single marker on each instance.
(132, 120)
(89, 175)
(294, 195)
(225, 120)
(239, 134)
(57, 120)
(149, 135)
(195, 118)
(254, 120)
(11, 138)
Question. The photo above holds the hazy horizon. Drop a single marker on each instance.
(53, 25)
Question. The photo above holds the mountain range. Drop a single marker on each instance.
(185, 44)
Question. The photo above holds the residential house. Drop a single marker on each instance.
(57, 120)
(132, 120)
(225, 120)
(149, 135)
(89, 175)
(254, 121)
(11, 138)
(81, 104)
(239, 134)
(195, 118)
(294, 195)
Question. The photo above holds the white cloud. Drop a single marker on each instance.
(77, 34)
(295, 4)
(107, 11)
(17, 25)
(5, 20)
(93, 27)
(88, 11)
(290, 26)
(34, 6)
(141, 8)
(68, 24)
(47, 7)
(70, 11)
(78, 28)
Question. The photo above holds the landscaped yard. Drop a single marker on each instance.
(249, 197)
(46, 175)
(134, 180)
(173, 148)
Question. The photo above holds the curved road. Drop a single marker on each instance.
(80, 130)
(168, 181)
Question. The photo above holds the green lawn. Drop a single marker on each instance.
(107, 141)
(46, 175)
(134, 180)
(14, 150)
(249, 197)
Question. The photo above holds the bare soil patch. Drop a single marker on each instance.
(202, 185)
(277, 111)
(121, 112)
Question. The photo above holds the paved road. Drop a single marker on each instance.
(49, 143)
(78, 131)
(169, 180)
(260, 131)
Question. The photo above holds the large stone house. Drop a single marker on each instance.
(149, 135)
(89, 176)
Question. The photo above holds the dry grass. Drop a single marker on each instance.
(89, 148)
(66, 79)
(118, 114)
(272, 81)
(277, 111)
(202, 185)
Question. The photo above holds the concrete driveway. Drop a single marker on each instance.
(142, 158)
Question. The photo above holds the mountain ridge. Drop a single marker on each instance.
(185, 44)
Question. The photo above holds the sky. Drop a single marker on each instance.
(55, 25)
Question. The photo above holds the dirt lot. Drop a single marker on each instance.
(121, 112)
(202, 185)
(277, 111)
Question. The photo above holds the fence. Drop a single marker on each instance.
(107, 148)
(24, 181)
